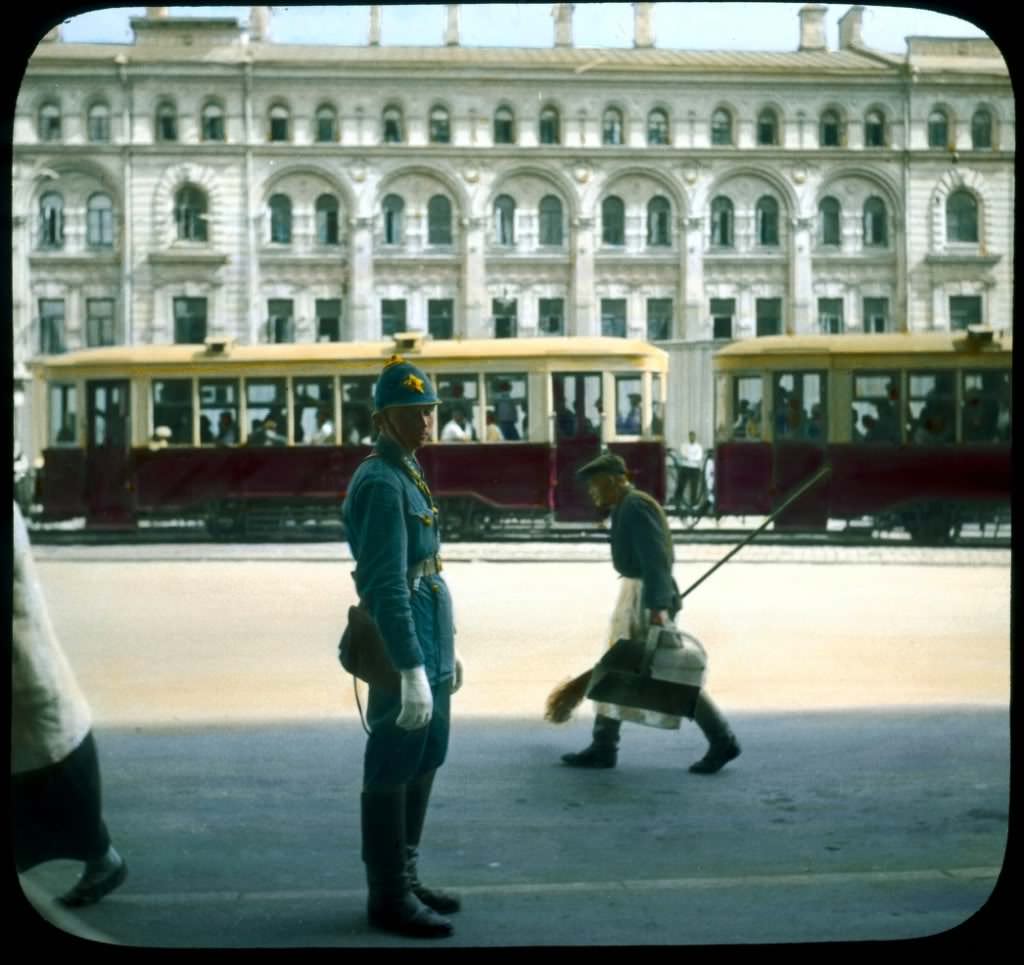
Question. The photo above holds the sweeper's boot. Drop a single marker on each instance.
(722, 744)
(604, 748)
(391, 905)
(417, 797)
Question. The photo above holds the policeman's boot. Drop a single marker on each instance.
(722, 744)
(417, 796)
(604, 747)
(391, 905)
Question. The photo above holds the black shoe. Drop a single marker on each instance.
(404, 914)
(440, 901)
(596, 755)
(88, 890)
(719, 754)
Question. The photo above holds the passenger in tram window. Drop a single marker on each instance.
(257, 434)
(816, 423)
(630, 424)
(494, 434)
(227, 431)
(271, 436)
(856, 435)
(67, 431)
(657, 422)
(457, 428)
(739, 425)
(205, 430)
(324, 435)
(935, 423)
(886, 427)
(506, 412)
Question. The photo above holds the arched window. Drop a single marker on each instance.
(767, 128)
(828, 222)
(440, 128)
(549, 126)
(874, 129)
(326, 219)
(659, 222)
(392, 119)
(213, 122)
(393, 208)
(766, 215)
(504, 220)
(938, 128)
(611, 126)
(439, 220)
(613, 221)
(981, 129)
(961, 217)
(721, 127)
(326, 125)
(657, 127)
(279, 123)
(721, 223)
(49, 123)
(99, 221)
(51, 220)
(876, 231)
(550, 221)
(99, 124)
(280, 206)
(190, 214)
(829, 130)
(166, 122)
(504, 126)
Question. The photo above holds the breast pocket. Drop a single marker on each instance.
(421, 524)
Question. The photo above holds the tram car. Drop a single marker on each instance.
(249, 436)
(915, 426)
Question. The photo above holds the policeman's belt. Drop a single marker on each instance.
(428, 567)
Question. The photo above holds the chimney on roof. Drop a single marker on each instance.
(812, 27)
(643, 29)
(451, 30)
(156, 13)
(52, 35)
(259, 23)
(375, 26)
(851, 28)
(562, 12)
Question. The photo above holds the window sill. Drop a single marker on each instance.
(968, 257)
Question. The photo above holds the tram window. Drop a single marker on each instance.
(747, 405)
(874, 416)
(800, 406)
(578, 406)
(459, 409)
(172, 409)
(265, 402)
(507, 400)
(108, 414)
(63, 415)
(628, 413)
(218, 412)
(986, 406)
(313, 405)
(356, 410)
(657, 407)
(930, 408)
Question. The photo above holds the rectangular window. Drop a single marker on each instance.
(63, 415)
(875, 414)
(964, 310)
(168, 127)
(280, 320)
(392, 316)
(440, 317)
(51, 326)
(723, 311)
(189, 321)
(459, 411)
(800, 410)
(986, 406)
(507, 406)
(328, 319)
(503, 131)
(613, 317)
(213, 128)
(876, 315)
(506, 317)
(313, 405)
(172, 409)
(548, 130)
(930, 408)
(218, 412)
(279, 129)
(325, 130)
(266, 404)
(357, 410)
(99, 321)
(628, 410)
(830, 315)
(551, 316)
(769, 316)
(747, 399)
(659, 319)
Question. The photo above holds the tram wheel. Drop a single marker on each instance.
(934, 525)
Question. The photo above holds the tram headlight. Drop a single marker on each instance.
(38, 463)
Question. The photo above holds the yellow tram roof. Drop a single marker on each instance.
(372, 354)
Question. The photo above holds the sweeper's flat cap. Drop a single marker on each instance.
(607, 462)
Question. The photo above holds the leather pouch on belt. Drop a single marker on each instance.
(362, 652)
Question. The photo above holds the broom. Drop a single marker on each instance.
(563, 700)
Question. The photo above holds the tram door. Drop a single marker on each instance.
(109, 495)
(799, 434)
(577, 407)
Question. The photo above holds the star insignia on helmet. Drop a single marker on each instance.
(413, 383)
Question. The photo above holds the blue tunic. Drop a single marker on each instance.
(392, 525)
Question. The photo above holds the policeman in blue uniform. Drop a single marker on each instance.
(392, 527)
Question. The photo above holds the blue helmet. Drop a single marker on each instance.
(402, 383)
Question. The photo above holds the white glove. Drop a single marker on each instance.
(457, 679)
(417, 701)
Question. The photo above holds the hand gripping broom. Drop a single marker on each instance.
(563, 700)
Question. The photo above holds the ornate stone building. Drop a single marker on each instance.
(204, 181)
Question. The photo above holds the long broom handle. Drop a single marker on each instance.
(814, 480)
